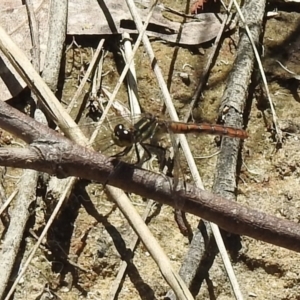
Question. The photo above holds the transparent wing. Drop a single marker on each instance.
(104, 141)
(158, 144)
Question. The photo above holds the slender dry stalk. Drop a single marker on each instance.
(119, 278)
(8, 201)
(171, 277)
(26, 186)
(87, 74)
(55, 110)
(234, 99)
(62, 188)
(182, 139)
(34, 31)
(153, 248)
(205, 74)
(18, 221)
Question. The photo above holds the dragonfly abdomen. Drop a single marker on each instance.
(216, 129)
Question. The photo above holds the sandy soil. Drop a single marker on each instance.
(269, 181)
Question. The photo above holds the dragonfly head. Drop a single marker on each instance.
(122, 137)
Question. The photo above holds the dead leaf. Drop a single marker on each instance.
(92, 17)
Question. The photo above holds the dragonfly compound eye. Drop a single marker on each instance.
(122, 136)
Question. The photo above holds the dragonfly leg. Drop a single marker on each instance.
(127, 150)
(148, 153)
(166, 162)
(138, 157)
(118, 155)
(123, 152)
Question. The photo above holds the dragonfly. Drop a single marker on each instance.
(151, 126)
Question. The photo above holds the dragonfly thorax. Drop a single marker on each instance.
(122, 137)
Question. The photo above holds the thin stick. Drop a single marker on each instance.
(116, 284)
(286, 69)
(262, 72)
(172, 278)
(204, 76)
(122, 77)
(34, 31)
(25, 69)
(215, 230)
(135, 109)
(16, 227)
(92, 64)
(69, 183)
(26, 185)
(8, 201)
(43, 234)
(131, 77)
(21, 25)
(174, 116)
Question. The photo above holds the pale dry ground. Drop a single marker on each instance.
(269, 181)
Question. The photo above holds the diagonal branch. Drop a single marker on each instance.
(52, 153)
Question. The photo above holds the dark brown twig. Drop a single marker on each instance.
(50, 152)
